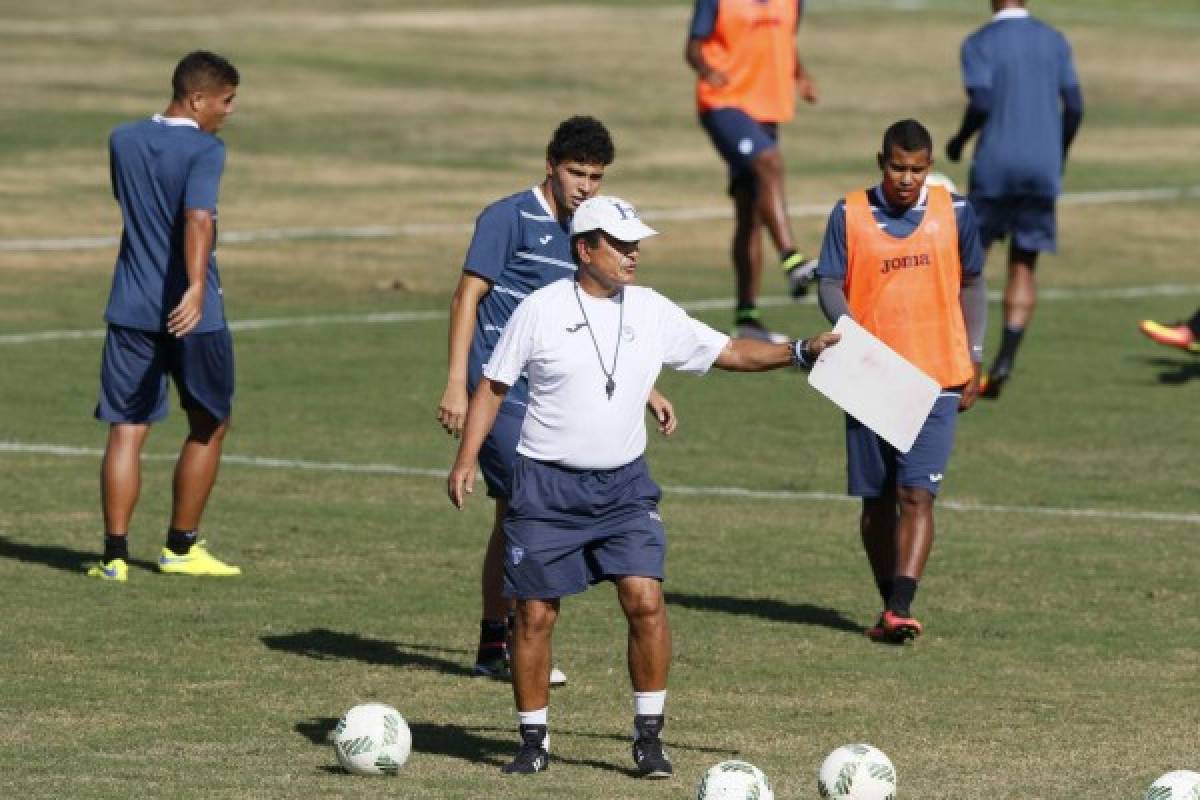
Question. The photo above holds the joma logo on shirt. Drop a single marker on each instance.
(905, 262)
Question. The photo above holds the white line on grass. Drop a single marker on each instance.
(696, 306)
(691, 491)
(1106, 197)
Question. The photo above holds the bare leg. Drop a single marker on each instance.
(772, 198)
(121, 475)
(196, 470)
(531, 653)
(1020, 291)
(877, 526)
(747, 245)
(495, 605)
(915, 535)
(649, 635)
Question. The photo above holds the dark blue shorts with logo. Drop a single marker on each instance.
(739, 138)
(567, 529)
(874, 467)
(1029, 219)
(135, 366)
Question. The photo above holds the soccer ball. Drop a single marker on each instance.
(941, 179)
(857, 772)
(1182, 784)
(734, 780)
(372, 739)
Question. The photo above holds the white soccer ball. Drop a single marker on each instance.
(734, 780)
(941, 179)
(372, 739)
(1182, 784)
(857, 772)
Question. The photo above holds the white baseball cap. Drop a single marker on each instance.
(612, 215)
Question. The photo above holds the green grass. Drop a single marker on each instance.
(1061, 650)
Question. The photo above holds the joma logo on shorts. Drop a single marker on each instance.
(905, 262)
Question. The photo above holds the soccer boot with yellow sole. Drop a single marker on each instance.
(116, 570)
(197, 561)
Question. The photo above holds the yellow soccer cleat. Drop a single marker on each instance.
(116, 570)
(197, 561)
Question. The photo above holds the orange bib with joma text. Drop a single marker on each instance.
(754, 44)
(905, 291)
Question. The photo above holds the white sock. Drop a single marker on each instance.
(539, 717)
(648, 704)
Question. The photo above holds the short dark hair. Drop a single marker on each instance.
(909, 135)
(591, 238)
(581, 139)
(201, 69)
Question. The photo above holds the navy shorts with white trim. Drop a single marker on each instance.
(567, 529)
(135, 366)
(874, 467)
(739, 138)
(1030, 221)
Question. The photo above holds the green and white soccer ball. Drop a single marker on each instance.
(734, 780)
(1182, 784)
(941, 179)
(857, 772)
(372, 739)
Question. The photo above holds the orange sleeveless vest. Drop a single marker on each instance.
(753, 43)
(905, 291)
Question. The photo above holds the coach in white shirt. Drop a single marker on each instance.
(583, 507)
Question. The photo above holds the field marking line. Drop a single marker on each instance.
(262, 462)
(696, 214)
(694, 306)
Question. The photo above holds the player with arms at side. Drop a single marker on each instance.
(748, 73)
(166, 314)
(521, 243)
(1025, 99)
(583, 507)
(903, 260)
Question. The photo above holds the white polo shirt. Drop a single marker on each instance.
(570, 419)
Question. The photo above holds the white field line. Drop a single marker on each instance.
(695, 306)
(260, 462)
(294, 234)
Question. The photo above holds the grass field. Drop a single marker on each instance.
(1062, 646)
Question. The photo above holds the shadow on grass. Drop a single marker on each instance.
(485, 745)
(324, 644)
(766, 608)
(1175, 371)
(63, 558)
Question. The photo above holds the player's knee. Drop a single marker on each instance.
(914, 498)
(768, 164)
(643, 603)
(535, 619)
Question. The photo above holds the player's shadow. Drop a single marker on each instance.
(324, 644)
(487, 745)
(766, 608)
(56, 556)
(1176, 371)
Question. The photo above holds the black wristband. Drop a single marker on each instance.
(800, 356)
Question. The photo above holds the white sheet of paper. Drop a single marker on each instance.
(874, 384)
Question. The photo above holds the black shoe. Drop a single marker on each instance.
(993, 380)
(531, 757)
(492, 661)
(648, 753)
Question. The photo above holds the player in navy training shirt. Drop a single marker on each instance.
(521, 243)
(165, 313)
(1025, 100)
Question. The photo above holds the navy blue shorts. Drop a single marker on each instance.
(567, 529)
(874, 467)
(739, 138)
(135, 366)
(1028, 219)
(499, 451)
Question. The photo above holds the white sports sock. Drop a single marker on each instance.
(539, 717)
(649, 704)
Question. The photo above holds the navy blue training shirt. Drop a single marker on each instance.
(1025, 67)
(518, 247)
(160, 168)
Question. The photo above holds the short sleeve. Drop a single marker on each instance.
(976, 72)
(688, 344)
(491, 244)
(704, 19)
(970, 251)
(204, 178)
(515, 348)
(832, 262)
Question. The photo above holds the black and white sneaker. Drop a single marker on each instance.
(800, 272)
(531, 757)
(648, 753)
